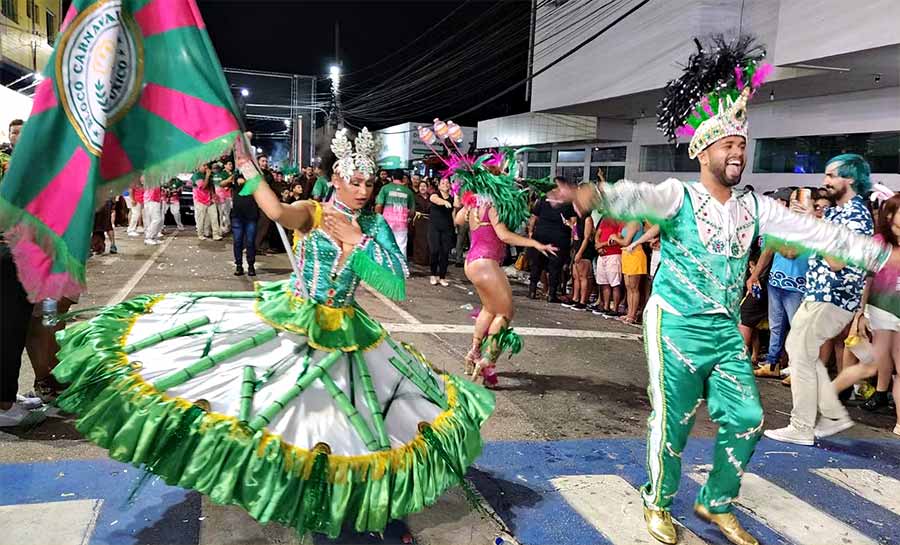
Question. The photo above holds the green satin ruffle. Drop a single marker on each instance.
(355, 329)
(270, 479)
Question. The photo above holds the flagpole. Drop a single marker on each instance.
(289, 247)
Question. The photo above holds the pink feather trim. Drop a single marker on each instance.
(455, 163)
(739, 77)
(34, 267)
(469, 199)
(704, 103)
(497, 159)
(685, 131)
(761, 74)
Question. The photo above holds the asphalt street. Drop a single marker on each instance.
(563, 454)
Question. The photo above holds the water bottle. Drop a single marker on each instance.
(757, 291)
(48, 312)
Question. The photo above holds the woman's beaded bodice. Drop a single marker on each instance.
(329, 277)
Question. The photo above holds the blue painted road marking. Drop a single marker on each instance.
(515, 477)
(160, 514)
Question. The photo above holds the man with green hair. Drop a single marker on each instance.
(833, 295)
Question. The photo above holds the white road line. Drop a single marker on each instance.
(136, 277)
(613, 507)
(410, 319)
(879, 489)
(419, 327)
(788, 515)
(58, 522)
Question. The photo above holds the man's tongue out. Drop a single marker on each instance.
(733, 169)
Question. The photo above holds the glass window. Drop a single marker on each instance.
(51, 27)
(808, 154)
(536, 173)
(573, 174)
(542, 156)
(570, 156)
(667, 158)
(10, 9)
(608, 155)
(612, 174)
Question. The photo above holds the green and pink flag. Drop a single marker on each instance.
(133, 88)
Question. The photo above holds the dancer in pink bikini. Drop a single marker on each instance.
(493, 206)
(489, 236)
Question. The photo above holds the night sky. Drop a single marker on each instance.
(402, 60)
(298, 37)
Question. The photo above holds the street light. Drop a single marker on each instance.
(335, 71)
(244, 92)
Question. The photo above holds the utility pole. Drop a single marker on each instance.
(335, 74)
(337, 41)
(531, 49)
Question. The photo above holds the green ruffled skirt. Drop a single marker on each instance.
(307, 416)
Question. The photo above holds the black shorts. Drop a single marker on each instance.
(590, 253)
(754, 311)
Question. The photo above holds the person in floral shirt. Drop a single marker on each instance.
(833, 294)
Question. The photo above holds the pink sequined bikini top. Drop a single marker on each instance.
(485, 244)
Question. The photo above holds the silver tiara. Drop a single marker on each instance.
(361, 159)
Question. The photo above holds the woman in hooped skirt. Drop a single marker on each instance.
(290, 400)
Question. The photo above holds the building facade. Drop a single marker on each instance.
(835, 88)
(401, 148)
(28, 30)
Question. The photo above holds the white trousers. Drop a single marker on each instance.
(814, 323)
(175, 207)
(207, 218)
(224, 208)
(152, 220)
(137, 211)
(402, 238)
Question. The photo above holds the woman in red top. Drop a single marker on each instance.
(608, 272)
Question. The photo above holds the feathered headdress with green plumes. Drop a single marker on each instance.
(709, 101)
(489, 178)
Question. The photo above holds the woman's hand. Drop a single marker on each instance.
(545, 248)
(805, 209)
(630, 248)
(863, 327)
(752, 281)
(340, 228)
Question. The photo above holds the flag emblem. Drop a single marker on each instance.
(99, 70)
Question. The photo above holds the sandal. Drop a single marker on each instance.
(48, 389)
(487, 372)
(472, 356)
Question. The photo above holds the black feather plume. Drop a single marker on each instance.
(710, 69)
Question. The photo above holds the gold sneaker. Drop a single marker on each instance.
(660, 526)
(728, 524)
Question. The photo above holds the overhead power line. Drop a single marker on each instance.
(443, 77)
(557, 61)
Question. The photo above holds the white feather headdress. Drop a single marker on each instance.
(348, 160)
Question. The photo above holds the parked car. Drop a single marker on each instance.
(187, 203)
